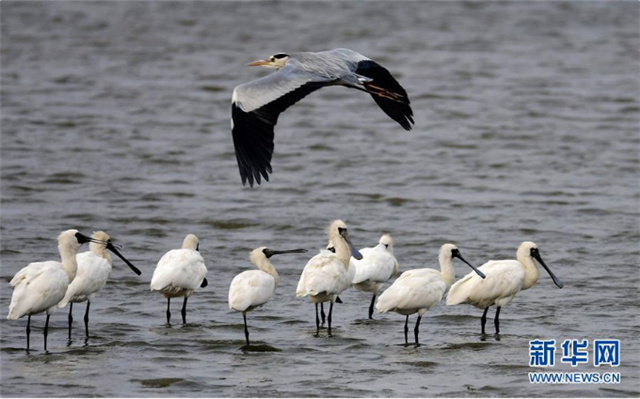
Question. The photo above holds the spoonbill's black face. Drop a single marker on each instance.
(198, 247)
(269, 252)
(345, 235)
(113, 249)
(535, 254)
(455, 253)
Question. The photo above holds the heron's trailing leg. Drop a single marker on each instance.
(373, 301)
(406, 331)
(70, 318)
(46, 331)
(246, 329)
(28, 330)
(322, 312)
(86, 319)
(317, 321)
(496, 322)
(483, 320)
(329, 317)
(416, 330)
(184, 311)
(168, 311)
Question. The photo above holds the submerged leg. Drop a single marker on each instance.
(496, 321)
(46, 331)
(184, 311)
(329, 318)
(416, 331)
(406, 331)
(317, 321)
(483, 320)
(28, 330)
(70, 318)
(86, 319)
(168, 311)
(322, 312)
(246, 330)
(373, 301)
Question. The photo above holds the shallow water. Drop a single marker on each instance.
(115, 116)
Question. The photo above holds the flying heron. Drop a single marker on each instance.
(256, 105)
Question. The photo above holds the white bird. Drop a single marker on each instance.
(253, 288)
(376, 267)
(505, 278)
(256, 105)
(328, 273)
(40, 286)
(94, 267)
(419, 290)
(179, 272)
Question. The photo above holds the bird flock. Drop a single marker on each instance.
(44, 286)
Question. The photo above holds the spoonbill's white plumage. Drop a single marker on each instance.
(377, 266)
(253, 288)
(94, 267)
(505, 278)
(179, 272)
(328, 273)
(256, 105)
(40, 286)
(418, 290)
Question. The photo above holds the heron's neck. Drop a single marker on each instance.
(266, 266)
(446, 269)
(531, 272)
(100, 250)
(68, 256)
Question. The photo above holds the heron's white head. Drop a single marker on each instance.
(529, 250)
(191, 242)
(276, 61)
(387, 242)
(338, 234)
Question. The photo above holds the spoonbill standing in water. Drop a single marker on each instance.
(328, 273)
(376, 267)
(253, 288)
(179, 272)
(505, 278)
(94, 267)
(256, 105)
(40, 286)
(419, 290)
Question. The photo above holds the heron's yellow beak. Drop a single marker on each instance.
(259, 63)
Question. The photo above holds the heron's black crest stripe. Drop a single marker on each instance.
(400, 112)
(253, 133)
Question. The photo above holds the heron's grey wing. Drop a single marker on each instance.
(387, 92)
(255, 108)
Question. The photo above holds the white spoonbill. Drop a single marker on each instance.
(419, 290)
(253, 288)
(179, 272)
(377, 266)
(505, 278)
(94, 267)
(39, 286)
(328, 273)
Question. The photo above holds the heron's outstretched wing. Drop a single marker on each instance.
(255, 108)
(387, 92)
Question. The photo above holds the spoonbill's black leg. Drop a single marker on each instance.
(373, 301)
(483, 320)
(322, 312)
(406, 331)
(46, 331)
(496, 322)
(246, 330)
(86, 319)
(184, 311)
(329, 317)
(317, 321)
(28, 330)
(168, 311)
(416, 330)
(70, 318)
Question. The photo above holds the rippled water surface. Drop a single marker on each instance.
(115, 116)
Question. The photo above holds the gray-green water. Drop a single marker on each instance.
(115, 116)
